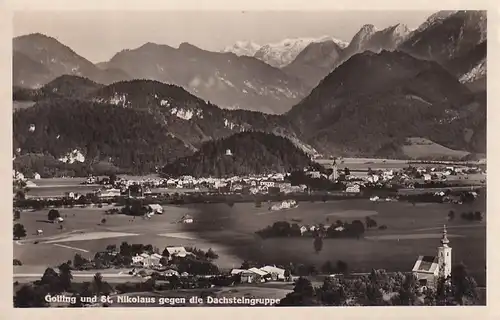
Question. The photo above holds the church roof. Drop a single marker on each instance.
(426, 264)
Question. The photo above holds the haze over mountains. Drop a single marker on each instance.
(375, 96)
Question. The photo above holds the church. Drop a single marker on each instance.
(428, 269)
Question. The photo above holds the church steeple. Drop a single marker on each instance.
(444, 239)
(444, 255)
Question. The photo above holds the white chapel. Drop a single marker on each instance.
(428, 269)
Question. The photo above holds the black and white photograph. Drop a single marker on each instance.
(249, 158)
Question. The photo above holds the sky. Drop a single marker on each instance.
(98, 35)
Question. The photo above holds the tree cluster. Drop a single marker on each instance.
(132, 139)
(382, 289)
(251, 153)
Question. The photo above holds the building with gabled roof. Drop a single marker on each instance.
(428, 269)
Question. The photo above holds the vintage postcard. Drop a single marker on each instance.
(249, 158)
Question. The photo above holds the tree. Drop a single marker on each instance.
(98, 283)
(19, 231)
(327, 267)
(287, 274)
(211, 254)
(125, 249)
(20, 195)
(50, 278)
(245, 265)
(29, 297)
(53, 215)
(65, 276)
(103, 221)
(357, 228)
(302, 295)
(478, 216)
(112, 178)
(464, 287)
(111, 248)
(17, 214)
(370, 223)
(342, 266)
(79, 261)
(318, 244)
(451, 215)
(347, 172)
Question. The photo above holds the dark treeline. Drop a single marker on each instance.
(127, 138)
(339, 229)
(250, 153)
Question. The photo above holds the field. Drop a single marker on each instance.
(375, 164)
(420, 147)
(412, 231)
(83, 233)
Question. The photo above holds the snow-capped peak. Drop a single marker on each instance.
(401, 30)
(243, 48)
(281, 53)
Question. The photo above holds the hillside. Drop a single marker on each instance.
(447, 35)
(65, 86)
(470, 68)
(251, 153)
(27, 72)
(187, 117)
(314, 62)
(129, 139)
(369, 38)
(56, 60)
(224, 79)
(318, 59)
(397, 97)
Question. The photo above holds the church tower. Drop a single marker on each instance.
(335, 173)
(444, 256)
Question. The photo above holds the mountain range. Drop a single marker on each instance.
(377, 100)
(183, 118)
(388, 93)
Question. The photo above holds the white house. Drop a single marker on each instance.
(276, 273)
(37, 176)
(110, 193)
(138, 259)
(170, 273)
(156, 208)
(260, 274)
(353, 189)
(187, 219)
(177, 251)
(303, 229)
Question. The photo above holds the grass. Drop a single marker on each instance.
(361, 255)
(230, 231)
(418, 148)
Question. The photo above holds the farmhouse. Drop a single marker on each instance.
(155, 208)
(177, 251)
(251, 275)
(428, 269)
(187, 219)
(276, 273)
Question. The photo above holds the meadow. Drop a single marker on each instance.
(412, 230)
